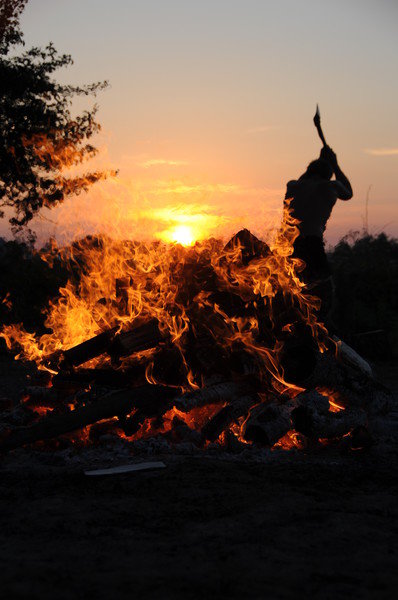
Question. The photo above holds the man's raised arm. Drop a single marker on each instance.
(344, 190)
(342, 185)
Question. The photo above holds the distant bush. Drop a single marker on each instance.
(365, 315)
(27, 283)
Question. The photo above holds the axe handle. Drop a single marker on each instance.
(320, 133)
(317, 123)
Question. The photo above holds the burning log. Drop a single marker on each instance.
(110, 405)
(348, 356)
(181, 432)
(249, 245)
(267, 423)
(313, 418)
(147, 407)
(214, 394)
(299, 354)
(358, 439)
(228, 415)
(308, 414)
(34, 394)
(53, 397)
(115, 378)
(41, 379)
(168, 366)
(141, 337)
(355, 389)
(137, 339)
(335, 425)
(130, 425)
(89, 349)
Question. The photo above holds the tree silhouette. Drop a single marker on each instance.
(39, 138)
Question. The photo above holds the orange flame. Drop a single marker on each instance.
(168, 282)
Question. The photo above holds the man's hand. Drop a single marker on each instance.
(328, 154)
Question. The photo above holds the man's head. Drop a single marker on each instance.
(319, 168)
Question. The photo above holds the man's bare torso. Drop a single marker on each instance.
(312, 201)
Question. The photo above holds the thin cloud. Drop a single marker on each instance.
(381, 151)
(186, 213)
(164, 187)
(157, 162)
(179, 187)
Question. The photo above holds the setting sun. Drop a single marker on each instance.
(183, 224)
(183, 234)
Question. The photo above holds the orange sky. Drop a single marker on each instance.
(210, 108)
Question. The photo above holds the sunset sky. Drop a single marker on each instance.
(211, 102)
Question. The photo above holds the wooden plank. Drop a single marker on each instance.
(144, 466)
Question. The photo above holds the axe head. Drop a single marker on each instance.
(317, 117)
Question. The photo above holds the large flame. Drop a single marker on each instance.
(171, 279)
(158, 274)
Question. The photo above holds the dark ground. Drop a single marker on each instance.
(295, 525)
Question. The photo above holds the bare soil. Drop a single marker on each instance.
(291, 525)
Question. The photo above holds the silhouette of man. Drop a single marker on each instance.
(311, 199)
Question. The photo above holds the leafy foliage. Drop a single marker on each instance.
(10, 33)
(27, 284)
(365, 270)
(39, 138)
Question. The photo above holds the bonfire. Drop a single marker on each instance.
(201, 342)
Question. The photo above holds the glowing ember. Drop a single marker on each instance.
(335, 401)
(292, 439)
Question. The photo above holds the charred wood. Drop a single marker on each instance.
(168, 366)
(229, 414)
(313, 418)
(141, 337)
(355, 389)
(138, 338)
(214, 394)
(299, 354)
(250, 247)
(358, 439)
(330, 426)
(108, 406)
(231, 443)
(116, 378)
(147, 407)
(347, 355)
(89, 349)
(41, 379)
(267, 423)
(35, 394)
(130, 425)
(181, 432)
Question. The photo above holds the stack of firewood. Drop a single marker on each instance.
(234, 385)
